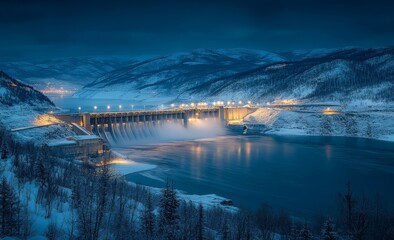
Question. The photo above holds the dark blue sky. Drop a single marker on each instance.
(41, 29)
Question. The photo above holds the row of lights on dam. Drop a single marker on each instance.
(181, 105)
(108, 108)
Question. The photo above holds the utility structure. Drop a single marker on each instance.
(93, 121)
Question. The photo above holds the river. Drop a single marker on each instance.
(302, 175)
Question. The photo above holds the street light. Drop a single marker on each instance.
(249, 102)
(108, 107)
(172, 105)
(120, 108)
(132, 107)
(240, 102)
(79, 109)
(95, 108)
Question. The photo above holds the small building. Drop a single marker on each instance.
(78, 147)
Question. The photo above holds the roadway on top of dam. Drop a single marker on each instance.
(91, 121)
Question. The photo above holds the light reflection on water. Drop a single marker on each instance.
(299, 174)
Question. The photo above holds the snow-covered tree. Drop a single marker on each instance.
(9, 210)
(148, 219)
(225, 230)
(4, 150)
(305, 233)
(168, 216)
(327, 232)
(200, 223)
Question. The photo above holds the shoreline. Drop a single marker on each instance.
(207, 200)
(302, 133)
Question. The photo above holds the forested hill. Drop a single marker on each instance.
(14, 92)
(323, 75)
(348, 75)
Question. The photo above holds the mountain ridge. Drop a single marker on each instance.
(224, 74)
(14, 92)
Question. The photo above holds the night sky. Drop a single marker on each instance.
(41, 29)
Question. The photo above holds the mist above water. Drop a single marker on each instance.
(127, 134)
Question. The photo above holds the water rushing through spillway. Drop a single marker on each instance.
(140, 133)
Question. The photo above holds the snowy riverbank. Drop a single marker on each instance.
(123, 166)
(366, 123)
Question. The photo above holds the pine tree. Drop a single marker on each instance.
(41, 173)
(305, 233)
(225, 230)
(102, 197)
(168, 217)
(4, 151)
(9, 210)
(328, 230)
(369, 130)
(148, 219)
(200, 224)
(293, 231)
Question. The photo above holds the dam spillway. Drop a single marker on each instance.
(127, 127)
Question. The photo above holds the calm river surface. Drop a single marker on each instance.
(302, 175)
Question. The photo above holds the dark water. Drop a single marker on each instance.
(302, 175)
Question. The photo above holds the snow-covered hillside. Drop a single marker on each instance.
(339, 75)
(343, 76)
(368, 123)
(167, 77)
(69, 73)
(22, 106)
(14, 92)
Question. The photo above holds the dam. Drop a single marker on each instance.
(121, 127)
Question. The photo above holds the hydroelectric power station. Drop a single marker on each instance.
(117, 127)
